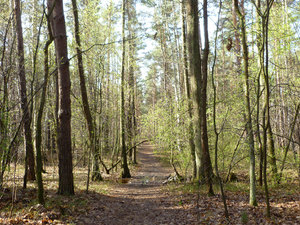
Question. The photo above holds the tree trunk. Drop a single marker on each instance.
(206, 162)
(96, 175)
(249, 129)
(38, 142)
(29, 157)
(4, 112)
(237, 39)
(195, 70)
(215, 116)
(261, 62)
(125, 169)
(188, 92)
(270, 138)
(66, 183)
(131, 62)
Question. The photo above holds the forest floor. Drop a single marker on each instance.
(144, 199)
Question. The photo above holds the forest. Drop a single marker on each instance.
(149, 112)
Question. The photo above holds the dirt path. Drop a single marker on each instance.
(145, 200)
(141, 200)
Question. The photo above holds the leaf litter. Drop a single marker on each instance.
(144, 199)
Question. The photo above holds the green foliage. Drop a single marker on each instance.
(244, 217)
(237, 186)
(164, 112)
(166, 125)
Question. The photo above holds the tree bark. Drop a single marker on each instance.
(38, 142)
(249, 129)
(214, 117)
(125, 169)
(29, 157)
(270, 138)
(66, 183)
(4, 112)
(96, 175)
(260, 45)
(206, 162)
(131, 61)
(236, 38)
(195, 70)
(188, 91)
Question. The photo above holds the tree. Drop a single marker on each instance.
(258, 94)
(265, 68)
(188, 91)
(198, 89)
(29, 157)
(125, 169)
(206, 162)
(96, 175)
(217, 133)
(66, 183)
(249, 128)
(4, 111)
(131, 14)
(38, 141)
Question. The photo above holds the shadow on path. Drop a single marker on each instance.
(141, 200)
